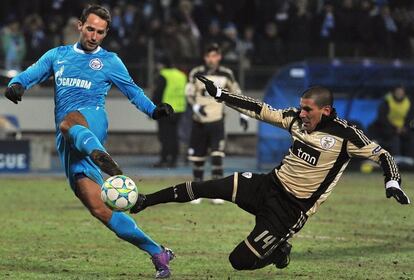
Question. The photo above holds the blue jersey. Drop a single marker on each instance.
(83, 79)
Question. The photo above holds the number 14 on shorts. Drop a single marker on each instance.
(267, 239)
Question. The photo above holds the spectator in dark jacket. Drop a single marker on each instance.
(385, 32)
(270, 46)
(298, 33)
(346, 30)
(324, 31)
(365, 29)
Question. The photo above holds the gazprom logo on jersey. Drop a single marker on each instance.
(70, 82)
(305, 152)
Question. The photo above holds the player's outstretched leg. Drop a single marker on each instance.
(123, 226)
(87, 143)
(75, 129)
(188, 191)
(126, 229)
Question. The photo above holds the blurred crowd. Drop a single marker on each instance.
(254, 32)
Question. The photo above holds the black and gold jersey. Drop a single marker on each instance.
(196, 93)
(316, 160)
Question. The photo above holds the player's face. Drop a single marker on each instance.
(311, 113)
(92, 32)
(212, 59)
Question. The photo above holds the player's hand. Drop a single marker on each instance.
(393, 189)
(244, 122)
(211, 88)
(162, 110)
(199, 110)
(139, 205)
(14, 93)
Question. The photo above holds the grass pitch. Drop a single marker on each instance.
(47, 234)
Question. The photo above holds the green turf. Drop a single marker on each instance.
(357, 234)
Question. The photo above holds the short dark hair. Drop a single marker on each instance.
(98, 10)
(213, 47)
(321, 95)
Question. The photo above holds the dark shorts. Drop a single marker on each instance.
(205, 136)
(277, 218)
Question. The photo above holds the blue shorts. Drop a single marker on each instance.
(75, 163)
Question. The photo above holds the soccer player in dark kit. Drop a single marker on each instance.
(285, 198)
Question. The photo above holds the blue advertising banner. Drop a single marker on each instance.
(14, 155)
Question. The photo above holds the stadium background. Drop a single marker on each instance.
(258, 39)
(358, 234)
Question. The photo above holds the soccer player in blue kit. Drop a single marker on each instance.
(83, 74)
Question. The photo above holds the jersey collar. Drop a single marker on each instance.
(78, 49)
(326, 120)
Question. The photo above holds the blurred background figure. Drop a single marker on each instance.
(13, 45)
(214, 33)
(70, 31)
(324, 31)
(346, 22)
(230, 44)
(35, 36)
(258, 39)
(270, 47)
(207, 131)
(298, 33)
(393, 127)
(169, 88)
(364, 29)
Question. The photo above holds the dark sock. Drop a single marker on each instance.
(188, 191)
(198, 171)
(178, 193)
(217, 167)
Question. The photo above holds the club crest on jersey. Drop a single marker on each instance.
(327, 142)
(96, 64)
(247, 175)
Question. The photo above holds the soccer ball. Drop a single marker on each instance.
(119, 193)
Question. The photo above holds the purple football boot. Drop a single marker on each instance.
(161, 262)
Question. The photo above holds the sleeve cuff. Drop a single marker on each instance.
(392, 184)
(218, 93)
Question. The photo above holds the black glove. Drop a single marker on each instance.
(210, 87)
(244, 123)
(139, 205)
(162, 110)
(393, 189)
(14, 93)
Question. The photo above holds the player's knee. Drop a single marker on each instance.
(64, 127)
(242, 258)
